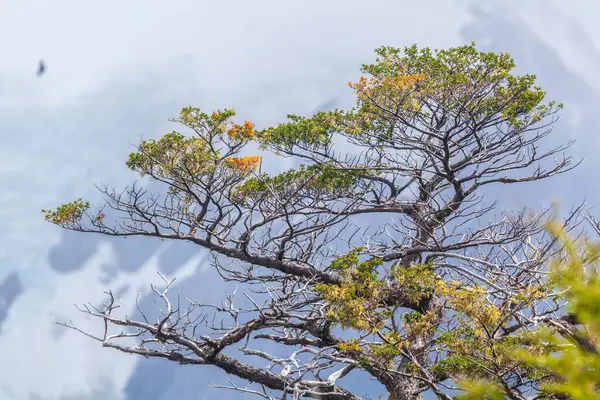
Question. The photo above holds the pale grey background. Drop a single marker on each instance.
(117, 69)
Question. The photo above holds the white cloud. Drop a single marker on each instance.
(45, 359)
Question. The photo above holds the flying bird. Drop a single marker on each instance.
(41, 68)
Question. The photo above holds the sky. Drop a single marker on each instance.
(118, 70)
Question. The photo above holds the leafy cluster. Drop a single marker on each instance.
(473, 341)
(243, 164)
(241, 132)
(416, 282)
(313, 132)
(313, 179)
(68, 213)
(172, 155)
(354, 303)
(476, 84)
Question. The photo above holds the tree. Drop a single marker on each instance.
(385, 259)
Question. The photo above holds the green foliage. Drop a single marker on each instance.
(68, 213)
(576, 368)
(322, 179)
(564, 356)
(175, 156)
(417, 282)
(480, 390)
(405, 85)
(354, 303)
(350, 346)
(458, 79)
(312, 132)
(204, 124)
(172, 156)
(390, 348)
(455, 365)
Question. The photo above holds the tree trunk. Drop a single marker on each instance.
(405, 389)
